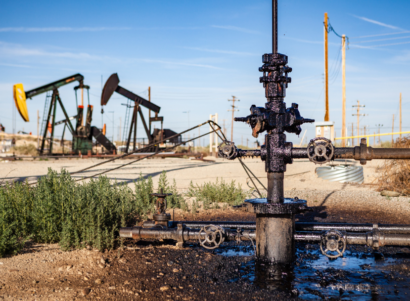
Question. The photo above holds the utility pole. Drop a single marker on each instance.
(358, 106)
(247, 142)
(400, 117)
(343, 90)
(223, 127)
(379, 125)
(119, 138)
(392, 130)
(233, 110)
(352, 136)
(326, 72)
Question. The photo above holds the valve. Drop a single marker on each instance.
(320, 150)
(227, 150)
(211, 236)
(333, 244)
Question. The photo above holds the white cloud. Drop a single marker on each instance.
(59, 29)
(229, 27)
(16, 50)
(378, 23)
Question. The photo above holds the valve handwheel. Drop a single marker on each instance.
(333, 244)
(211, 236)
(227, 150)
(320, 150)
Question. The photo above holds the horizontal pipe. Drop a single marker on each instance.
(302, 226)
(186, 234)
(373, 239)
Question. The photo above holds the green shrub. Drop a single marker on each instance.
(175, 200)
(75, 215)
(28, 149)
(219, 192)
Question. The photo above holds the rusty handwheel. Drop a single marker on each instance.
(211, 236)
(227, 150)
(333, 244)
(320, 150)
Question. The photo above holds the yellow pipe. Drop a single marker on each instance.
(367, 136)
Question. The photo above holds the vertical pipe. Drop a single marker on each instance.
(274, 238)
(275, 187)
(52, 125)
(216, 136)
(274, 26)
(149, 111)
(358, 122)
(326, 73)
(38, 124)
(344, 90)
(210, 137)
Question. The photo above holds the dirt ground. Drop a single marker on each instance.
(160, 271)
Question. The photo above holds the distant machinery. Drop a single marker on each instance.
(82, 134)
(112, 86)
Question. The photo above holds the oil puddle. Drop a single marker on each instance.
(358, 275)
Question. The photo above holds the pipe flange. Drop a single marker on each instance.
(211, 236)
(289, 206)
(162, 217)
(320, 150)
(333, 244)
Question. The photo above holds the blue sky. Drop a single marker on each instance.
(197, 54)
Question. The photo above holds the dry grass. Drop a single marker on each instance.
(395, 174)
(28, 149)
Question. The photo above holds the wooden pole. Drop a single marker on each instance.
(352, 135)
(233, 110)
(326, 73)
(392, 130)
(344, 89)
(400, 116)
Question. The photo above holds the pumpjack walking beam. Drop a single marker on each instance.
(111, 86)
(20, 97)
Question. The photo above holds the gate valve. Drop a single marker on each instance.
(320, 150)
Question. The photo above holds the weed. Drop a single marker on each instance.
(28, 149)
(175, 200)
(218, 192)
(75, 215)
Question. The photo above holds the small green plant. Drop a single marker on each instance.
(28, 149)
(175, 200)
(74, 215)
(219, 192)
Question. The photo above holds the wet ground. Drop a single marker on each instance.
(160, 271)
(157, 271)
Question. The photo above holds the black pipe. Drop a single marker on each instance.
(301, 226)
(373, 239)
(274, 26)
